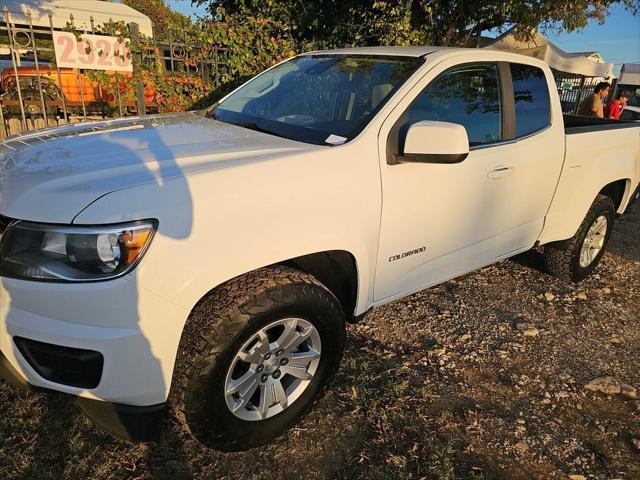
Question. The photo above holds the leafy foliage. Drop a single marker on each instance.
(211, 57)
(163, 18)
(327, 23)
(240, 38)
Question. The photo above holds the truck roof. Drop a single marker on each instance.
(424, 50)
(413, 51)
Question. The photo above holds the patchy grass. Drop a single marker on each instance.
(438, 385)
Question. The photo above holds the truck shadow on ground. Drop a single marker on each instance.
(375, 413)
(368, 397)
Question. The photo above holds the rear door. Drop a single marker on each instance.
(536, 154)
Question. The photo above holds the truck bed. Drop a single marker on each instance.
(598, 152)
(580, 124)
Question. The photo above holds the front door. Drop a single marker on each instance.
(443, 220)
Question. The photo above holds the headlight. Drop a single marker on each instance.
(35, 251)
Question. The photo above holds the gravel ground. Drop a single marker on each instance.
(447, 383)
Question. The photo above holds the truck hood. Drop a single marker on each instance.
(50, 175)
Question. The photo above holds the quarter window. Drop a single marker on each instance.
(531, 95)
(468, 95)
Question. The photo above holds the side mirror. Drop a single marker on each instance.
(434, 142)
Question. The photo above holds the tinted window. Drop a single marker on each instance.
(468, 95)
(531, 94)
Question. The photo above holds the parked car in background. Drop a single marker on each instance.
(209, 261)
(30, 95)
(77, 88)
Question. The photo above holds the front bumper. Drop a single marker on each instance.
(135, 332)
(133, 423)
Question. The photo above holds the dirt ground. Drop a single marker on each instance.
(441, 384)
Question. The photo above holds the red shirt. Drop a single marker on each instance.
(613, 109)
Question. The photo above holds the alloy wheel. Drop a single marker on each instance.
(272, 369)
(593, 241)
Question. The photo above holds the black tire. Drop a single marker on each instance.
(562, 259)
(218, 327)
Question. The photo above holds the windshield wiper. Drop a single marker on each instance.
(211, 114)
(254, 126)
(250, 125)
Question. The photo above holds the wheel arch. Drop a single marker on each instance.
(335, 269)
(563, 223)
(618, 191)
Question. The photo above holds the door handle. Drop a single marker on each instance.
(499, 172)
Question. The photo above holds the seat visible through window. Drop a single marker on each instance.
(468, 95)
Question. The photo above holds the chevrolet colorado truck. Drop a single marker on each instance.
(207, 262)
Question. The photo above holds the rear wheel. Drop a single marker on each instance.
(576, 258)
(255, 355)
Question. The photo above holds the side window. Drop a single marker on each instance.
(468, 95)
(531, 95)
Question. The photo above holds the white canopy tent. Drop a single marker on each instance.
(82, 10)
(540, 47)
(630, 74)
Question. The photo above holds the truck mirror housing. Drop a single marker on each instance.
(434, 142)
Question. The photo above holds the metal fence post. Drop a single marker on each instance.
(117, 79)
(35, 58)
(579, 97)
(80, 75)
(60, 83)
(101, 99)
(14, 59)
(136, 59)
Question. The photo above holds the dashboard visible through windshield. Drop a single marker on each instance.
(320, 99)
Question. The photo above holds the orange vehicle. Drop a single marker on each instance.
(79, 91)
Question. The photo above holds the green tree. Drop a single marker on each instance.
(402, 22)
(163, 18)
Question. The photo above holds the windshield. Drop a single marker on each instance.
(321, 99)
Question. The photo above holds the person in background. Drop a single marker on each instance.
(615, 107)
(592, 105)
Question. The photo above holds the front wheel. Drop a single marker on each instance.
(576, 258)
(255, 355)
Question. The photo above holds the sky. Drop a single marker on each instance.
(617, 40)
(184, 6)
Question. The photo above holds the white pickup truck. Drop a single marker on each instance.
(208, 261)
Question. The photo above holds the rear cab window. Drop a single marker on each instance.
(531, 97)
